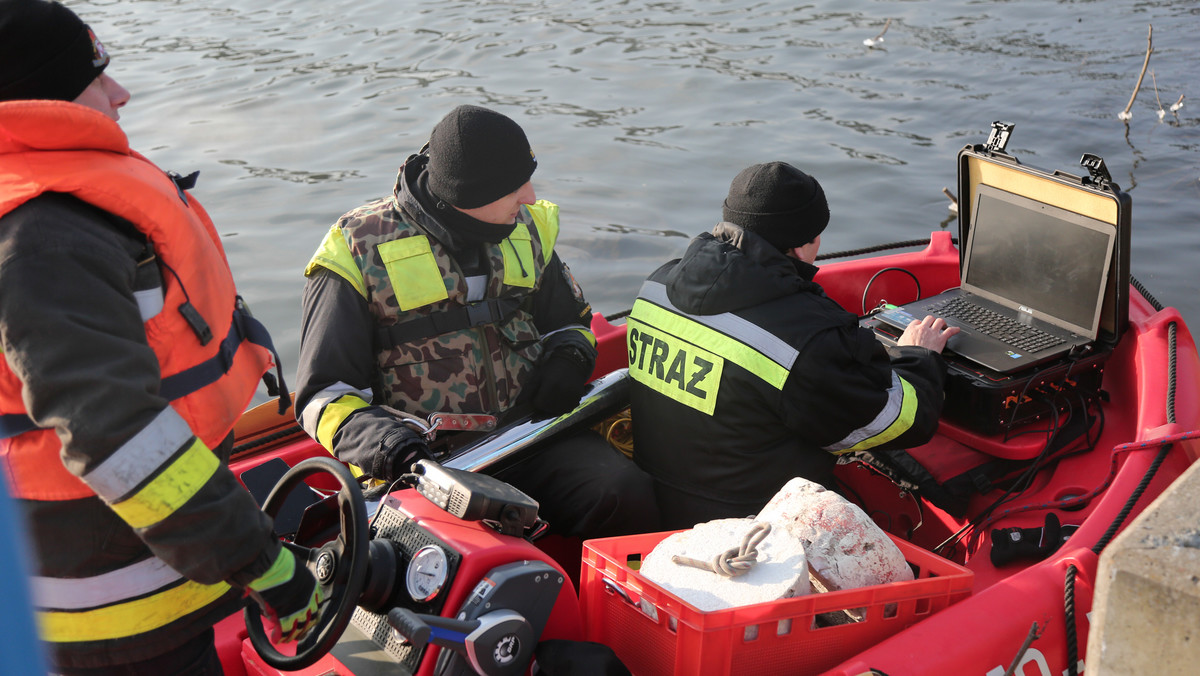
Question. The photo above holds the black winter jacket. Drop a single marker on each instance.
(825, 387)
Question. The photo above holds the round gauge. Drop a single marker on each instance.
(426, 573)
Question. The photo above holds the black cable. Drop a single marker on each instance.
(1042, 461)
(867, 288)
(1048, 458)
(408, 479)
(1012, 420)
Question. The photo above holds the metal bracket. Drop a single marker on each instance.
(449, 422)
(998, 140)
(1096, 168)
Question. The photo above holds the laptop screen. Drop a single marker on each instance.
(1038, 259)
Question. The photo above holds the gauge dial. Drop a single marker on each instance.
(426, 573)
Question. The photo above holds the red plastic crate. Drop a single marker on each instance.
(655, 633)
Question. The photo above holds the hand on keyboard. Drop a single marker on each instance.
(930, 332)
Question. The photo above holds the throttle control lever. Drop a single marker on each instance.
(499, 643)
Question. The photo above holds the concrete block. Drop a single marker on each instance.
(846, 549)
(1146, 610)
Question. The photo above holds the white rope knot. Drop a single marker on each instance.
(732, 562)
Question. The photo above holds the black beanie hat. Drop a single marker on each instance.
(779, 203)
(477, 156)
(46, 52)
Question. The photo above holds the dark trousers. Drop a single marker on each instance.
(681, 510)
(586, 488)
(197, 657)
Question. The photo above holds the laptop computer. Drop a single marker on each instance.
(1033, 281)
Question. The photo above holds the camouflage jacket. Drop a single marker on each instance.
(384, 282)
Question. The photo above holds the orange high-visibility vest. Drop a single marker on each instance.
(65, 148)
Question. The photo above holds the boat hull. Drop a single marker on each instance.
(1034, 613)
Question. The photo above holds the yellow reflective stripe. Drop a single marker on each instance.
(128, 619)
(673, 367)
(545, 218)
(167, 492)
(310, 416)
(518, 258)
(716, 342)
(729, 324)
(332, 417)
(280, 572)
(413, 271)
(80, 593)
(334, 255)
(899, 425)
(588, 335)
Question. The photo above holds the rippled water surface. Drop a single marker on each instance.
(641, 112)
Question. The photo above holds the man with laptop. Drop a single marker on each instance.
(745, 374)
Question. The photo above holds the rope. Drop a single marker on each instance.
(1171, 328)
(1145, 294)
(1072, 639)
(1069, 609)
(618, 432)
(621, 314)
(878, 248)
(732, 562)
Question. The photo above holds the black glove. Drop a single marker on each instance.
(401, 447)
(560, 380)
(1010, 544)
(289, 597)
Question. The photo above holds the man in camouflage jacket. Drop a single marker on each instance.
(447, 296)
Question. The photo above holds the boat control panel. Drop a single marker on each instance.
(453, 585)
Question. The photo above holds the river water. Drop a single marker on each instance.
(642, 111)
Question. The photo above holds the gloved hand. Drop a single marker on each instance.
(289, 597)
(560, 380)
(404, 446)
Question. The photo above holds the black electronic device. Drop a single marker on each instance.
(989, 403)
(476, 497)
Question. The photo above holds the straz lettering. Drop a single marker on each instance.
(673, 367)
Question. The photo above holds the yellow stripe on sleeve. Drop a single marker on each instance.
(167, 492)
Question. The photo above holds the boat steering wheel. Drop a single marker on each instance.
(339, 566)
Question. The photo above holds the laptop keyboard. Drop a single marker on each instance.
(1005, 329)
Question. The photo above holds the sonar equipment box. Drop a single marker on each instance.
(989, 402)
